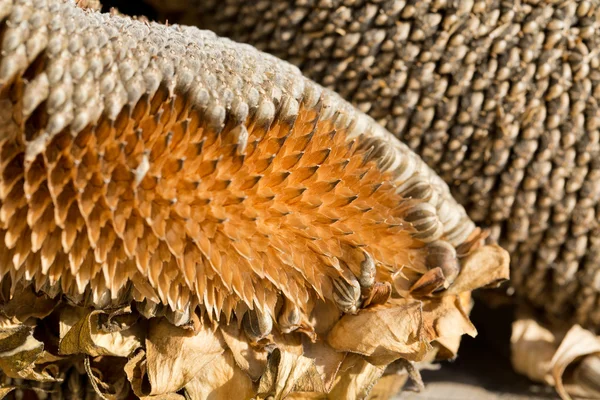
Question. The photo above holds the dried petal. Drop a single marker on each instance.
(20, 352)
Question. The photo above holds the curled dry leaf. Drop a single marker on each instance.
(577, 343)
(220, 380)
(81, 332)
(388, 386)
(288, 372)
(23, 356)
(174, 356)
(252, 361)
(307, 396)
(557, 356)
(532, 348)
(448, 345)
(485, 266)
(392, 330)
(5, 390)
(587, 375)
(135, 369)
(355, 378)
(327, 359)
(401, 329)
(324, 316)
(445, 319)
(26, 304)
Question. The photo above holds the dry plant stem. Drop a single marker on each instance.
(499, 98)
(181, 213)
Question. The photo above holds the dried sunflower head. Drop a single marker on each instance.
(500, 99)
(184, 215)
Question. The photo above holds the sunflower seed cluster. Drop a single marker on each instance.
(500, 98)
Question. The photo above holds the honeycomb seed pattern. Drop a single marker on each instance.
(146, 162)
(499, 98)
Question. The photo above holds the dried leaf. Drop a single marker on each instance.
(403, 280)
(485, 266)
(26, 304)
(22, 355)
(105, 374)
(586, 377)
(307, 396)
(288, 372)
(388, 386)
(118, 320)
(220, 380)
(577, 343)
(20, 360)
(250, 360)
(135, 369)
(545, 353)
(532, 348)
(445, 319)
(136, 375)
(393, 330)
(401, 329)
(174, 356)
(447, 346)
(324, 316)
(86, 336)
(4, 391)
(327, 360)
(12, 334)
(355, 378)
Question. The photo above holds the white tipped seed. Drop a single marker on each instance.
(423, 217)
(346, 293)
(257, 324)
(367, 271)
(443, 255)
(289, 317)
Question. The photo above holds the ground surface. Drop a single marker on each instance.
(482, 371)
(472, 377)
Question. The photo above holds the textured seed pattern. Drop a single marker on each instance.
(499, 98)
(164, 164)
